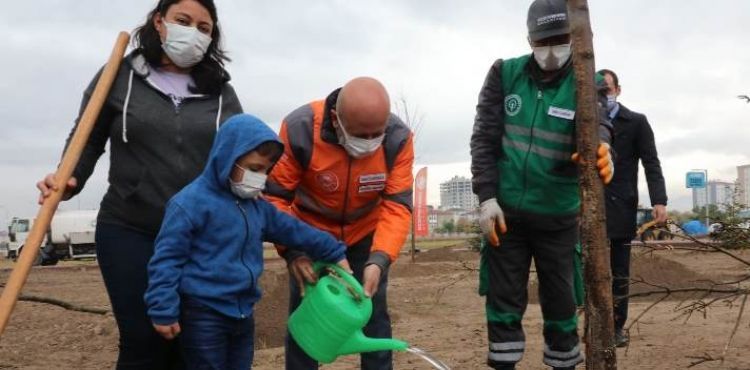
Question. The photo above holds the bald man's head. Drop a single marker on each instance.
(364, 107)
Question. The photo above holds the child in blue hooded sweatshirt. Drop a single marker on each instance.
(208, 257)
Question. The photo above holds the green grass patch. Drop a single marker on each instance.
(436, 243)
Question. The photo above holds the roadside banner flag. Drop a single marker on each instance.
(421, 227)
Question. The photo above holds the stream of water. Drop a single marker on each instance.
(437, 364)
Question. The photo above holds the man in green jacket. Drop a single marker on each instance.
(527, 183)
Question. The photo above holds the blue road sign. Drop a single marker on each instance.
(695, 179)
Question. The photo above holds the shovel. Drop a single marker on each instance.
(17, 278)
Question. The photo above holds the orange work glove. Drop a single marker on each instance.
(603, 162)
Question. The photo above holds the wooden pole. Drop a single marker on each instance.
(413, 249)
(599, 332)
(69, 161)
(413, 238)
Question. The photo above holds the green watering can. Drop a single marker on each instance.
(329, 321)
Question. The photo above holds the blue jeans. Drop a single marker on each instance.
(379, 325)
(212, 341)
(123, 254)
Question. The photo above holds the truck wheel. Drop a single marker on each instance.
(48, 261)
(37, 261)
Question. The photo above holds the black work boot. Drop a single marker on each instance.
(621, 338)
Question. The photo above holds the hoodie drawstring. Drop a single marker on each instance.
(125, 109)
(218, 114)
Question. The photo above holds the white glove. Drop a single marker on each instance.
(492, 221)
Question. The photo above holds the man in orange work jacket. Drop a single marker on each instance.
(347, 169)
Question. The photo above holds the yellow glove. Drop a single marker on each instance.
(603, 163)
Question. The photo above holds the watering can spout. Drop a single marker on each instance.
(360, 343)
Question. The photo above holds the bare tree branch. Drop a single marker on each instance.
(734, 331)
(60, 303)
(708, 292)
(412, 118)
(701, 359)
(638, 318)
(666, 290)
(440, 291)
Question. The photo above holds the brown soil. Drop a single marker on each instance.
(270, 312)
(433, 304)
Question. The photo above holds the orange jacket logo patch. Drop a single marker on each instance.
(328, 181)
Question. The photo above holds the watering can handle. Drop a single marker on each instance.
(345, 275)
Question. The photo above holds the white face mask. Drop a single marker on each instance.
(185, 46)
(250, 186)
(358, 147)
(551, 58)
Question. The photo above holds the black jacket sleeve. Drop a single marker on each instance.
(97, 140)
(651, 165)
(487, 135)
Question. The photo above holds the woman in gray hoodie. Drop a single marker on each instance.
(170, 96)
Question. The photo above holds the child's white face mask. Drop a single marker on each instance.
(250, 186)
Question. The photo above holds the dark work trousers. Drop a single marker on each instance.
(551, 243)
(379, 325)
(212, 341)
(123, 255)
(620, 263)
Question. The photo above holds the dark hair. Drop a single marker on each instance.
(270, 149)
(612, 74)
(208, 74)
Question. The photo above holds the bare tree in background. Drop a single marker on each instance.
(413, 119)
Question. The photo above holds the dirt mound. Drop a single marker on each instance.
(271, 311)
(653, 269)
(661, 271)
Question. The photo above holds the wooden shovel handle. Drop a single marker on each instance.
(69, 161)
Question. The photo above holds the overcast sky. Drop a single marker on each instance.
(682, 63)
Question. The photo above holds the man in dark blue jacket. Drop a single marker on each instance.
(203, 277)
(634, 141)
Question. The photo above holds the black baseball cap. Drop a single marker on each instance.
(547, 18)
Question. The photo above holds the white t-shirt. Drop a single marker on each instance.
(175, 85)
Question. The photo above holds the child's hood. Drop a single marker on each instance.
(239, 135)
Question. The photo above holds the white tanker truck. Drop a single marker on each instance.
(71, 235)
